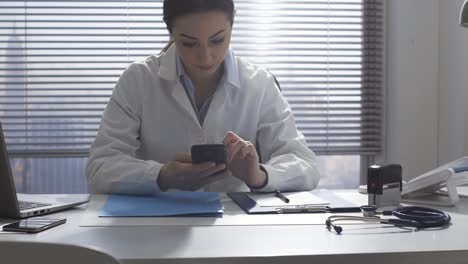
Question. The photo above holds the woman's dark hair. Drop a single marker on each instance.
(175, 8)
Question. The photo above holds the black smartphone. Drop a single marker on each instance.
(34, 225)
(208, 152)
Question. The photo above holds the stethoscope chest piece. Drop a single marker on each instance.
(369, 210)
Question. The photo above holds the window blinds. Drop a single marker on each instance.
(59, 61)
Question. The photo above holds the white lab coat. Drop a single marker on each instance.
(149, 118)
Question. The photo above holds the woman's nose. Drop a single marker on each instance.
(204, 54)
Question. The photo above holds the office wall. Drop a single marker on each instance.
(412, 85)
(453, 83)
(427, 84)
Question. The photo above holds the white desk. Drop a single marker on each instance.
(266, 244)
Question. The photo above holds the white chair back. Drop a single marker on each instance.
(26, 252)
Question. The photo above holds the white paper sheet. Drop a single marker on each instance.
(296, 198)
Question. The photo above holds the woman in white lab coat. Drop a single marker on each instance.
(197, 92)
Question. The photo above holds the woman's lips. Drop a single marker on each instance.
(205, 68)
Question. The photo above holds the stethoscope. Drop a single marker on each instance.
(407, 216)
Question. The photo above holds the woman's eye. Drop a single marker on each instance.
(218, 41)
(189, 44)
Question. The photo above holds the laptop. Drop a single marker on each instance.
(27, 205)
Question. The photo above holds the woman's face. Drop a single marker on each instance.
(202, 40)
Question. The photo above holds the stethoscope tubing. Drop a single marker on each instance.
(423, 216)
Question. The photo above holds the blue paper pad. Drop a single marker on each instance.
(163, 204)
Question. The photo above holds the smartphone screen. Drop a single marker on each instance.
(34, 225)
(208, 152)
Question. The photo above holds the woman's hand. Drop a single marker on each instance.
(243, 162)
(183, 175)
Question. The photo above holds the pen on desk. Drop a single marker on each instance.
(317, 209)
(281, 196)
(288, 210)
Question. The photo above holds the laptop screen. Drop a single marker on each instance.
(9, 204)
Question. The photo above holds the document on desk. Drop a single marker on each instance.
(163, 204)
(233, 214)
(295, 199)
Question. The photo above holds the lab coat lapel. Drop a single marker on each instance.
(168, 71)
(216, 109)
(180, 96)
(167, 67)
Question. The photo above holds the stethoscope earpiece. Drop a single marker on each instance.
(338, 229)
(329, 224)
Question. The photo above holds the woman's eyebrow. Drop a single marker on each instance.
(187, 36)
(217, 33)
(194, 38)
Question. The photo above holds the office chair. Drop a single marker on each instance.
(25, 252)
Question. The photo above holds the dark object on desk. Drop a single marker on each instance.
(337, 205)
(34, 224)
(384, 185)
(208, 152)
(281, 196)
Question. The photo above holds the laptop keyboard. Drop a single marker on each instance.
(29, 205)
